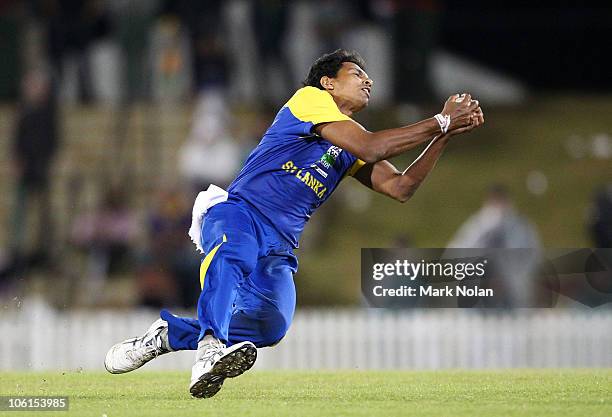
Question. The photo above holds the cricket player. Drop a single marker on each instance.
(248, 236)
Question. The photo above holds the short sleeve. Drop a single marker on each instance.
(311, 105)
(356, 166)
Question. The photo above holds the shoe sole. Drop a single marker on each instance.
(230, 366)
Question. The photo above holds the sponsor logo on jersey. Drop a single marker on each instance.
(327, 160)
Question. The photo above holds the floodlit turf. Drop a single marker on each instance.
(446, 393)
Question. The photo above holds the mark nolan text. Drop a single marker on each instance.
(431, 291)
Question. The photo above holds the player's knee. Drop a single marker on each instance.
(276, 328)
(241, 254)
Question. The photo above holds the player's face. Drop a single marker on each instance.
(352, 85)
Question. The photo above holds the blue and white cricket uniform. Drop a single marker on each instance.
(247, 274)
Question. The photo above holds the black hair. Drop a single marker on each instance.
(329, 64)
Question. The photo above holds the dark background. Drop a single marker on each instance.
(565, 46)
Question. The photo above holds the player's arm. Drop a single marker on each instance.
(373, 147)
(384, 178)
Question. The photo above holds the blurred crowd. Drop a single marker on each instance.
(129, 52)
(162, 49)
(126, 52)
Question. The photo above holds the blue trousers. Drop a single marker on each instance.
(246, 277)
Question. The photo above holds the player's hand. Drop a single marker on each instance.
(461, 109)
(476, 120)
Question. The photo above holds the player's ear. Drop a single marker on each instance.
(327, 82)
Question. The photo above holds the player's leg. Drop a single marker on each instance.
(265, 304)
(132, 353)
(230, 241)
(261, 314)
(167, 334)
(233, 257)
(183, 332)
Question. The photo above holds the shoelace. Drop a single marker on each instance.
(213, 351)
(151, 351)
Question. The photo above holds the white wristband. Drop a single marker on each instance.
(444, 121)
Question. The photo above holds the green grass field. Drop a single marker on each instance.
(352, 393)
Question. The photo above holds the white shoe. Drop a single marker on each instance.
(133, 353)
(215, 362)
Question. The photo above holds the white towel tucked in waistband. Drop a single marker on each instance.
(204, 201)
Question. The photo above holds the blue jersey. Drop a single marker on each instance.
(293, 171)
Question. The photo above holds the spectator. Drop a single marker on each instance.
(171, 54)
(204, 24)
(270, 27)
(35, 144)
(210, 155)
(169, 275)
(133, 26)
(72, 27)
(107, 235)
(497, 225)
(333, 19)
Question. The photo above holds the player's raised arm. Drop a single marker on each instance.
(384, 178)
(372, 147)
